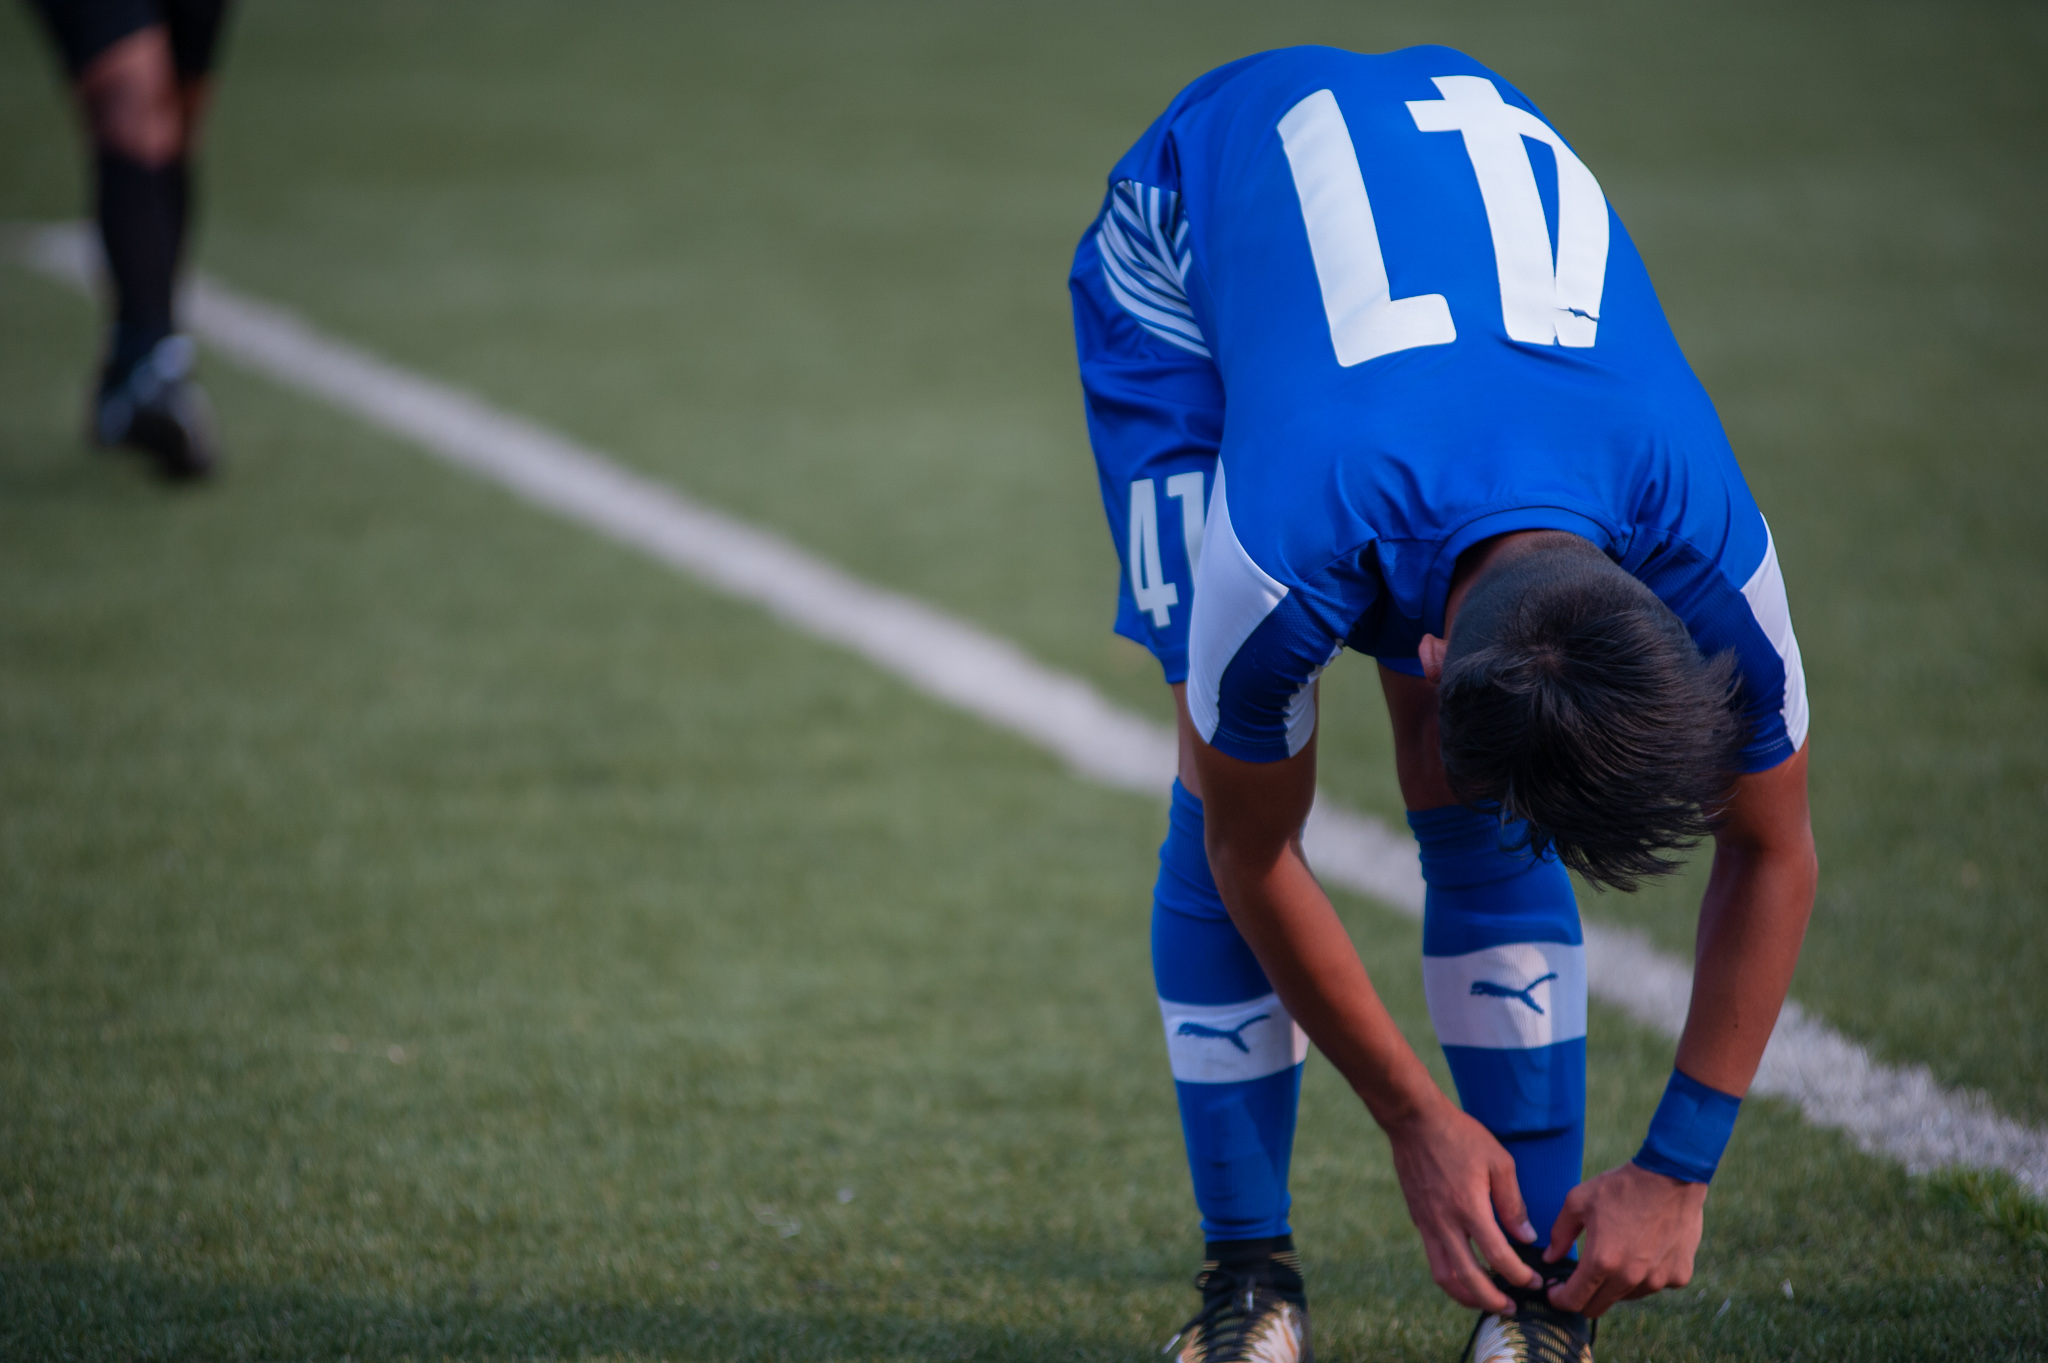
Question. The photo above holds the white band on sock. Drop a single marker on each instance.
(1232, 1042)
(1512, 997)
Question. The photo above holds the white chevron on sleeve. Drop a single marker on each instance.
(1145, 260)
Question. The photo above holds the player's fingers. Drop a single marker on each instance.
(1615, 1288)
(1664, 1277)
(1507, 1201)
(1493, 1243)
(1570, 1221)
(1455, 1270)
(1613, 1279)
(1577, 1292)
(1443, 1272)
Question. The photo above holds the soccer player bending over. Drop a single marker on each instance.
(1369, 361)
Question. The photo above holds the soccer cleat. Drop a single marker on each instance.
(157, 408)
(1537, 1332)
(1252, 1312)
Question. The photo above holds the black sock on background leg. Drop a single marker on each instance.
(179, 178)
(140, 208)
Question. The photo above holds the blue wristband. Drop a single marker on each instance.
(1690, 1130)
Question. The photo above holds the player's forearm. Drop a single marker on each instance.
(1752, 924)
(1312, 964)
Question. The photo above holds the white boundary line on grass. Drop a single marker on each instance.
(1898, 1111)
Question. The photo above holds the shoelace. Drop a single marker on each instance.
(1226, 1316)
(1546, 1336)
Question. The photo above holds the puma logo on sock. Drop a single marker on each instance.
(1488, 989)
(1202, 1029)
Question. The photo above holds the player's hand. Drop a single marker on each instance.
(1461, 1189)
(1642, 1230)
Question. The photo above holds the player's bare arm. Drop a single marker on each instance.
(1459, 1182)
(1640, 1228)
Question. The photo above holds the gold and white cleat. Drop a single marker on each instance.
(1536, 1332)
(1251, 1313)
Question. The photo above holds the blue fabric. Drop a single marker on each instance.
(1355, 487)
(1690, 1131)
(1548, 1166)
(1522, 1093)
(1153, 411)
(1265, 678)
(1482, 895)
(1240, 1137)
(1197, 955)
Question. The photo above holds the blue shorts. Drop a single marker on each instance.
(1155, 419)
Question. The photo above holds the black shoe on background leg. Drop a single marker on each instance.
(154, 406)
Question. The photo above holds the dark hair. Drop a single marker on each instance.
(1575, 699)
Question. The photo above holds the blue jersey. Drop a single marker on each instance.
(1343, 317)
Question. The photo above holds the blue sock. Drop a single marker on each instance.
(1504, 968)
(1236, 1053)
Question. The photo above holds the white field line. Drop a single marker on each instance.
(1900, 1111)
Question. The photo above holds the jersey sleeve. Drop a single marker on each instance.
(1258, 645)
(1154, 405)
(1774, 684)
(1740, 608)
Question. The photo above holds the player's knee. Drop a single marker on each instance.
(1198, 955)
(131, 99)
(1186, 884)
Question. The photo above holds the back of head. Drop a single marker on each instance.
(1573, 697)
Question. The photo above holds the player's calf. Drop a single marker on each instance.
(1236, 1056)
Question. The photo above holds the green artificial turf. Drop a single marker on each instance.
(427, 930)
(808, 263)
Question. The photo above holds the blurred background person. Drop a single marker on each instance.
(141, 72)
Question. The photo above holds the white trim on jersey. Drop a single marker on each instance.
(1509, 998)
(1301, 706)
(1145, 261)
(1765, 592)
(1232, 596)
(1232, 1042)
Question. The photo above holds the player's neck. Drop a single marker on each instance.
(1490, 554)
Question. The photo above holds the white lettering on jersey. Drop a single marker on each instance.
(1186, 488)
(1149, 587)
(1538, 303)
(1366, 320)
(1145, 260)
